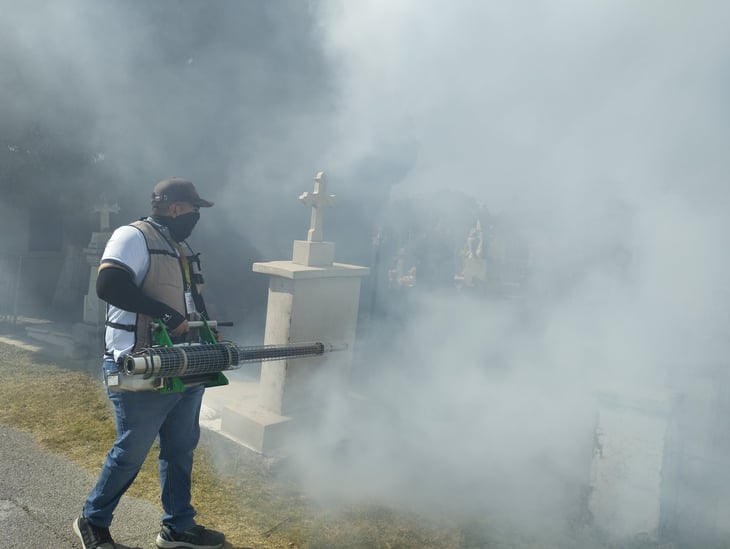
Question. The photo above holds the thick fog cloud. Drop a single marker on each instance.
(107, 98)
(599, 128)
(527, 102)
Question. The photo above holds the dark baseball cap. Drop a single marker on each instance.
(178, 190)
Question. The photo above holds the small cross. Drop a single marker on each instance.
(104, 210)
(319, 199)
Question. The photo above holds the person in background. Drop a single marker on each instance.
(148, 272)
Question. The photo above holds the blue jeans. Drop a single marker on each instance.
(142, 416)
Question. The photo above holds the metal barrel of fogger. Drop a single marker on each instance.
(184, 360)
(211, 323)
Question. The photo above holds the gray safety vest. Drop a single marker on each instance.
(166, 280)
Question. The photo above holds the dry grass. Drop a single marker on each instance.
(68, 413)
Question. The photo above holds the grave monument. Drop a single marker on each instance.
(628, 460)
(474, 270)
(88, 335)
(310, 298)
(81, 338)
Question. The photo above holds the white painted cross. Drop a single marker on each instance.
(104, 210)
(319, 199)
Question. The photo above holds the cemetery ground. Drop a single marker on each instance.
(65, 409)
(67, 412)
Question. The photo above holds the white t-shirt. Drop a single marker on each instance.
(128, 249)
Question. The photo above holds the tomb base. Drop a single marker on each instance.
(255, 428)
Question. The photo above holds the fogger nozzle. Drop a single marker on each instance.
(193, 359)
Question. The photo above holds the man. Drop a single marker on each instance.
(149, 272)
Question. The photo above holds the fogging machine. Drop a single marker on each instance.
(171, 368)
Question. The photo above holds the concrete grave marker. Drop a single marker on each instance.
(94, 308)
(475, 265)
(311, 298)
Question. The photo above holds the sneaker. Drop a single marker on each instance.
(93, 537)
(195, 538)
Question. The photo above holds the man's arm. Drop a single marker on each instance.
(115, 286)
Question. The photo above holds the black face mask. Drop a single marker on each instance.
(181, 226)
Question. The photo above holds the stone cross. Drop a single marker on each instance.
(104, 210)
(319, 199)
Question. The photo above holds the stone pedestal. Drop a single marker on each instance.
(305, 303)
(475, 271)
(313, 254)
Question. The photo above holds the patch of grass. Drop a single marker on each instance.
(68, 412)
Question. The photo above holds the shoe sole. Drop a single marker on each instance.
(164, 544)
(78, 533)
(77, 530)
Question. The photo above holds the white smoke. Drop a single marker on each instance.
(599, 128)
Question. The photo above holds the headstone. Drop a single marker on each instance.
(88, 335)
(94, 308)
(80, 338)
(311, 298)
(696, 472)
(626, 472)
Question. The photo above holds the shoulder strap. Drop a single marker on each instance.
(125, 327)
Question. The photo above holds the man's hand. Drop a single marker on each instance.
(180, 329)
